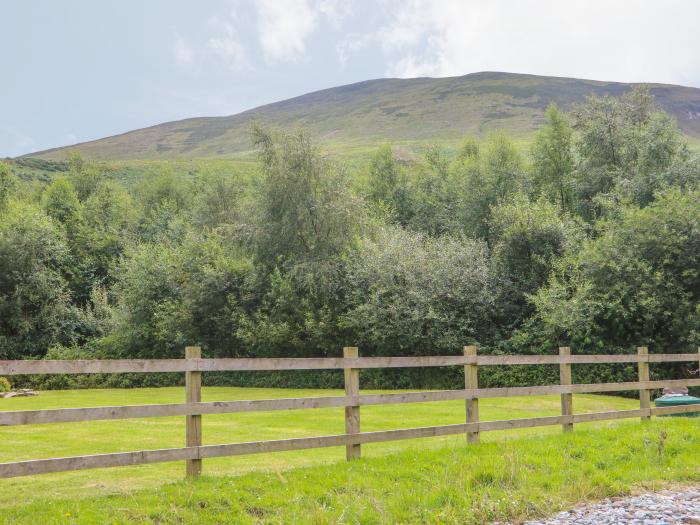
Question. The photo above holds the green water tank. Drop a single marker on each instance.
(676, 400)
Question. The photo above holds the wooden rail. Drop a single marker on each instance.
(193, 409)
(120, 366)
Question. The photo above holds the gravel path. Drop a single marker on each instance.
(670, 507)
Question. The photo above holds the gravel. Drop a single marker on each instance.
(669, 507)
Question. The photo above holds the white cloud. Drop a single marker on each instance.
(227, 44)
(351, 45)
(629, 40)
(284, 26)
(334, 10)
(182, 51)
(282, 29)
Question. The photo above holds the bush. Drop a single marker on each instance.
(5, 385)
(418, 295)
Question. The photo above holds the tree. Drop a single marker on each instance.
(308, 222)
(307, 213)
(174, 295)
(475, 197)
(85, 176)
(553, 161)
(60, 201)
(469, 149)
(486, 179)
(435, 195)
(457, 197)
(105, 230)
(387, 184)
(503, 166)
(638, 282)
(528, 238)
(35, 310)
(163, 197)
(8, 183)
(383, 175)
(218, 203)
(414, 294)
(628, 150)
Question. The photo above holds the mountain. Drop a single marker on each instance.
(407, 112)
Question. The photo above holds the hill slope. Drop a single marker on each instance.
(409, 111)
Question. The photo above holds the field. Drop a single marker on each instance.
(124, 487)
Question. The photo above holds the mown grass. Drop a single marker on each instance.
(58, 440)
(510, 480)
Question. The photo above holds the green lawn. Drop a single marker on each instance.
(123, 487)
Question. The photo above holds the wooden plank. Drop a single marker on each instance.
(635, 385)
(193, 423)
(303, 363)
(471, 383)
(605, 416)
(644, 393)
(680, 409)
(482, 393)
(260, 447)
(24, 468)
(41, 466)
(114, 366)
(108, 366)
(602, 359)
(567, 400)
(529, 422)
(80, 366)
(493, 360)
(580, 359)
(119, 459)
(352, 412)
(69, 415)
(413, 397)
(671, 358)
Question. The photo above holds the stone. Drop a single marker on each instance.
(669, 507)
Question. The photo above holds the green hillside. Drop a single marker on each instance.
(409, 113)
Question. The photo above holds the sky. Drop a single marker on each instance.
(78, 70)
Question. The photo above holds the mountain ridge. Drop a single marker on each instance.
(358, 115)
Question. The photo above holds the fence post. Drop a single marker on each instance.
(471, 380)
(193, 394)
(644, 393)
(567, 401)
(352, 411)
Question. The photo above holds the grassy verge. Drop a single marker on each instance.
(509, 480)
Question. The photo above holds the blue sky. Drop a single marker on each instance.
(76, 70)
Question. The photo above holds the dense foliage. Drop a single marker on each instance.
(591, 238)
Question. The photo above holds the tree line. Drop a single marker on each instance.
(590, 238)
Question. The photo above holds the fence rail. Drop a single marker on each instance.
(120, 366)
(193, 409)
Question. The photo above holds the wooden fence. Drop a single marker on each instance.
(193, 409)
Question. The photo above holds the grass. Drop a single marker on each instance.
(515, 479)
(55, 440)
